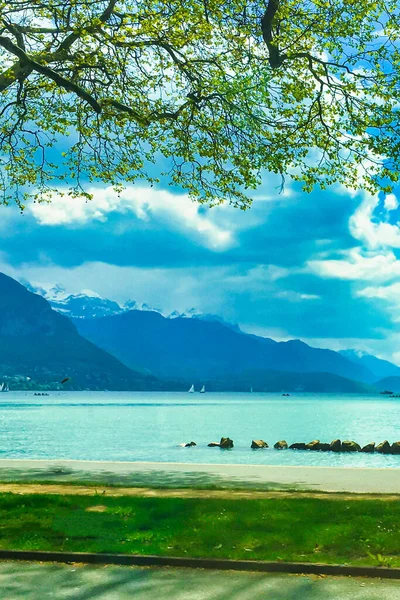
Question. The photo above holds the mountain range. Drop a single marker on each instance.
(206, 350)
(39, 346)
(378, 367)
(88, 304)
(100, 344)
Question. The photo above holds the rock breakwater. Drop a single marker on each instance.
(316, 446)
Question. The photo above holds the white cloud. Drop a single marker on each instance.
(374, 260)
(386, 292)
(391, 202)
(145, 203)
(357, 266)
(293, 296)
(373, 233)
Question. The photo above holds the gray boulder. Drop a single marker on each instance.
(190, 444)
(298, 446)
(314, 445)
(213, 445)
(350, 446)
(256, 444)
(383, 448)
(395, 448)
(368, 448)
(335, 446)
(323, 447)
(281, 445)
(226, 443)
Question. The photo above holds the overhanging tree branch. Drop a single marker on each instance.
(194, 82)
(267, 22)
(69, 86)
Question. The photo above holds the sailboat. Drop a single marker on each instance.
(203, 390)
(191, 390)
(4, 387)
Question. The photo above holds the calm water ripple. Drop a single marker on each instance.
(137, 426)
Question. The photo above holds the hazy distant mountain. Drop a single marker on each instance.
(388, 383)
(39, 343)
(195, 349)
(378, 367)
(285, 381)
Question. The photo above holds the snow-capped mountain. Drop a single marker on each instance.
(89, 304)
(85, 305)
(133, 305)
(195, 314)
(188, 314)
(81, 306)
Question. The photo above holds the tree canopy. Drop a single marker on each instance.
(217, 90)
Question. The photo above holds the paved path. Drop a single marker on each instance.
(35, 581)
(179, 475)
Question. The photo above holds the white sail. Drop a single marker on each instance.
(2, 387)
(203, 389)
(191, 389)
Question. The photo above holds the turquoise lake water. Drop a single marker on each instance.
(137, 426)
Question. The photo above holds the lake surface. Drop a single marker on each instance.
(137, 426)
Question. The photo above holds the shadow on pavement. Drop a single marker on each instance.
(35, 581)
(150, 478)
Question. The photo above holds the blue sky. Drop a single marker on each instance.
(322, 267)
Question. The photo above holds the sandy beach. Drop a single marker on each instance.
(181, 475)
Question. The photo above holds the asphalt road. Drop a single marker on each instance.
(38, 581)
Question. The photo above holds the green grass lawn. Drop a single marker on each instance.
(288, 529)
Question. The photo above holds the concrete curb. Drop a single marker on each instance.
(200, 563)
